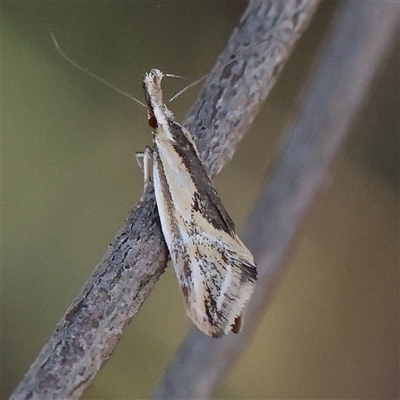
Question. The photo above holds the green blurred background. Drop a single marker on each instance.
(69, 179)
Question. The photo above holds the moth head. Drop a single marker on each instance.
(157, 111)
(152, 87)
(153, 94)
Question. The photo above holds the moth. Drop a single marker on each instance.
(215, 270)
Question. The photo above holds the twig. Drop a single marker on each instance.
(362, 36)
(87, 334)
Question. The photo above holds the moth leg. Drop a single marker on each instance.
(145, 161)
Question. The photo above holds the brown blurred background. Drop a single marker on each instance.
(69, 179)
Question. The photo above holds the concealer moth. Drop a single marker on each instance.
(215, 270)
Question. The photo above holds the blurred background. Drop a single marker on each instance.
(69, 178)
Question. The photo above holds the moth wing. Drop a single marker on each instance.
(214, 268)
(205, 198)
(221, 281)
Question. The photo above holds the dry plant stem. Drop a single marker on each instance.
(362, 35)
(87, 334)
(231, 98)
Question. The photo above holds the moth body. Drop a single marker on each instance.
(215, 270)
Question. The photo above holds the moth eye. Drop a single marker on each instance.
(152, 121)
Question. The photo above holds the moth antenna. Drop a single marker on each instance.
(214, 70)
(175, 76)
(92, 75)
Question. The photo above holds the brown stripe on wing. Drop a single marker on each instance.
(205, 200)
